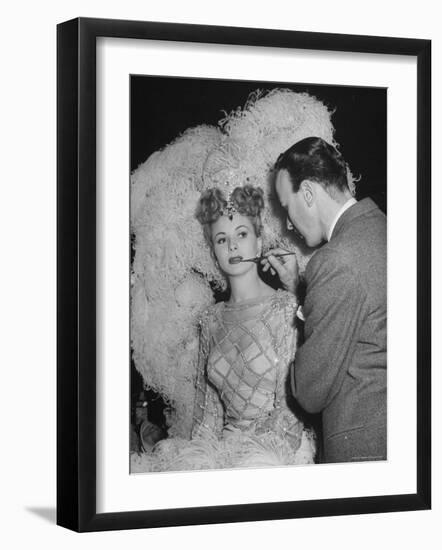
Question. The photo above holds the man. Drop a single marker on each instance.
(340, 368)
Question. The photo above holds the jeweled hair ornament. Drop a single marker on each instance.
(230, 209)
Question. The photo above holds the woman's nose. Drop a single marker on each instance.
(289, 225)
(233, 244)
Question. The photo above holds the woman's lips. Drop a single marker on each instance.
(235, 260)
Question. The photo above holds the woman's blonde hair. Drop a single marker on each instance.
(246, 200)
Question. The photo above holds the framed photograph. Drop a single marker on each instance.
(192, 385)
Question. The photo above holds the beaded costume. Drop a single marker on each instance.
(246, 349)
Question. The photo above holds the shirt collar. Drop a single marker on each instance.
(345, 207)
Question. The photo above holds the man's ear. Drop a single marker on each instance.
(308, 192)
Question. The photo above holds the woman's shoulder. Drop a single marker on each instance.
(210, 314)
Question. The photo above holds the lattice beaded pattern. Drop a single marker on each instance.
(246, 351)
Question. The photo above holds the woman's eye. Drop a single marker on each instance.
(243, 234)
(221, 241)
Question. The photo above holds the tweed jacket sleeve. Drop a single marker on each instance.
(334, 312)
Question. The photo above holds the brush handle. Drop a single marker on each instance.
(257, 260)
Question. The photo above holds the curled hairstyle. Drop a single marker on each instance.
(316, 160)
(247, 201)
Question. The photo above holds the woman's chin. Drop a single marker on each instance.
(235, 270)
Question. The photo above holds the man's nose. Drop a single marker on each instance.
(289, 225)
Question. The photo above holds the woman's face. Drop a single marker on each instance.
(233, 238)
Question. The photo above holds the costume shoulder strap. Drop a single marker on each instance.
(286, 302)
(210, 313)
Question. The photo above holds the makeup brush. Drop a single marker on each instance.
(238, 259)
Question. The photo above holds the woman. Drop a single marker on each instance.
(241, 415)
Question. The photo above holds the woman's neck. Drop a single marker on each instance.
(248, 286)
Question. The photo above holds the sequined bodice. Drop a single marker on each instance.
(250, 346)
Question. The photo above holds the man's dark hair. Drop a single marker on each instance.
(316, 160)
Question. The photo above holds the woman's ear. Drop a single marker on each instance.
(214, 258)
(259, 252)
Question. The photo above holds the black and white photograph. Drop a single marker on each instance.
(245, 220)
(221, 254)
(258, 274)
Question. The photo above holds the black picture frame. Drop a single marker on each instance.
(77, 287)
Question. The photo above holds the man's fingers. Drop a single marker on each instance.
(276, 264)
(265, 264)
(271, 263)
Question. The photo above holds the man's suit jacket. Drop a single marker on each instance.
(340, 369)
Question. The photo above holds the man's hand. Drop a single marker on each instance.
(285, 266)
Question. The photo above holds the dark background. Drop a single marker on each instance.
(164, 107)
(161, 108)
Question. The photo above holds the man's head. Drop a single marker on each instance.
(312, 185)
